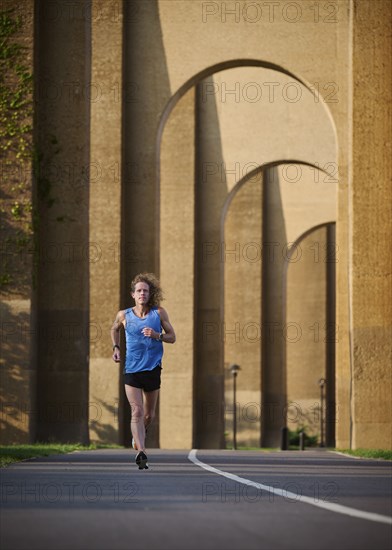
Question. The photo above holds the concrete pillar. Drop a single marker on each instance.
(105, 219)
(64, 251)
(241, 328)
(177, 250)
(370, 226)
(298, 197)
(306, 331)
(211, 192)
(274, 241)
(146, 92)
(341, 112)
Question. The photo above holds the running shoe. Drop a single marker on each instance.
(141, 460)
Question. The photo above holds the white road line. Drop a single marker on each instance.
(332, 507)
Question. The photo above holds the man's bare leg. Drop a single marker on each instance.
(150, 403)
(135, 399)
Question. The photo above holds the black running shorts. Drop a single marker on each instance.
(147, 380)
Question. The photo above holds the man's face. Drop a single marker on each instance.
(141, 294)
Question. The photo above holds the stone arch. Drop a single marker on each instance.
(248, 337)
(319, 334)
(224, 65)
(173, 125)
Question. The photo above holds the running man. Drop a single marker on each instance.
(146, 326)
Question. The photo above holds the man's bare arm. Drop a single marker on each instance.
(169, 336)
(115, 335)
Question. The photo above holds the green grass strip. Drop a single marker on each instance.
(15, 453)
(384, 454)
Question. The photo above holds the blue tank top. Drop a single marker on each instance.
(142, 352)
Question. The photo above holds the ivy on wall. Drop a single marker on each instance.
(24, 166)
(16, 111)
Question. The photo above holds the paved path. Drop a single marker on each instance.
(210, 500)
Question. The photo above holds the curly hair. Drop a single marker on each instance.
(156, 294)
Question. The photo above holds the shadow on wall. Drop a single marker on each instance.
(18, 247)
(61, 125)
(146, 92)
(105, 433)
(17, 416)
(210, 197)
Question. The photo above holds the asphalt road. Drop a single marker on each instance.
(245, 500)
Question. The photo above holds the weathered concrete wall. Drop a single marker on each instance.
(306, 330)
(105, 221)
(240, 330)
(18, 328)
(177, 274)
(263, 117)
(18, 403)
(251, 117)
(298, 198)
(211, 194)
(370, 226)
(62, 114)
(341, 112)
(145, 95)
(324, 36)
(100, 124)
(309, 201)
(243, 133)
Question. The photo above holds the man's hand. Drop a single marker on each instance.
(116, 355)
(150, 333)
